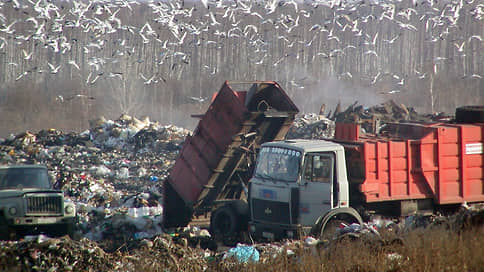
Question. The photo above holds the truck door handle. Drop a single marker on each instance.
(326, 202)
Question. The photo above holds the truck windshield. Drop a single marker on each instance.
(278, 164)
(24, 178)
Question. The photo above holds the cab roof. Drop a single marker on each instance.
(305, 145)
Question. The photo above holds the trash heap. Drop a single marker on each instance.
(371, 120)
(311, 126)
(379, 234)
(113, 172)
(466, 218)
(41, 253)
(390, 111)
(188, 251)
(171, 254)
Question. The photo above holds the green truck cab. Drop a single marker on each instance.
(30, 205)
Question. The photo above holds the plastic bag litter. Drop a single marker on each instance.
(153, 178)
(101, 171)
(141, 172)
(310, 241)
(123, 173)
(243, 254)
(357, 228)
(37, 238)
(145, 211)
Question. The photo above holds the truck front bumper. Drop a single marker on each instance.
(268, 231)
(29, 221)
(18, 227)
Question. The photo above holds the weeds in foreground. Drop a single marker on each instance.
(435, 249)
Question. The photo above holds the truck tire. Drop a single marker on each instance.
(327, 224)
(224, 221)
(469, 114)
(4, 231)
(67, 229)
(241, 208)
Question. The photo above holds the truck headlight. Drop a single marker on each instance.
(12, 210)
(69, 209)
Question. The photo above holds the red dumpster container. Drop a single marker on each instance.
(442, 161)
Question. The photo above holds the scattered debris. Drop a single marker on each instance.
(372, 119)
(311, 126)
(243, 253)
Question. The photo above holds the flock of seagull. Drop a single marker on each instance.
(94, 38)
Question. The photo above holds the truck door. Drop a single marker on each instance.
(316, 186)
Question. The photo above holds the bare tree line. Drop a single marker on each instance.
(319, 56)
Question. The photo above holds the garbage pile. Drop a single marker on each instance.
(41, 253)
(466, 218)
(165, 253)
(113, 172)
(186, 251)
(371, 120)
(311, 126)
(379, 234)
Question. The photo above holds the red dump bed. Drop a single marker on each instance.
(444, 162)
(242, 116)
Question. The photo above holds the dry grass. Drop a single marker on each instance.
(431, 249)
(435, 249)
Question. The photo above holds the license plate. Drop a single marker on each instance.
(47, 220)
(268, 235)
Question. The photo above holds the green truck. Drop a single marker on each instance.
(30, 205)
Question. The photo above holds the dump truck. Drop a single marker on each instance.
(302, 187)
(215, 163)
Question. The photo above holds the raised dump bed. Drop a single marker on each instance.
(214, 164)
(443, 162)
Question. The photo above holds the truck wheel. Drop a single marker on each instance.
(241, 209)
(69, 230)
(4, 232)
(59, 230)
(224, 221)
(329, 223)
(332, 226)
(469, 114)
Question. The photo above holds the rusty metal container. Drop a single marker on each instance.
(212, 165)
